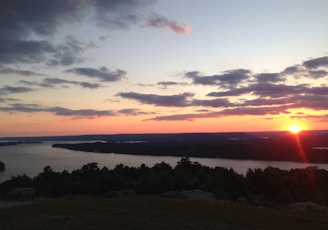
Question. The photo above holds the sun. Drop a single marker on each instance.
(295, 129)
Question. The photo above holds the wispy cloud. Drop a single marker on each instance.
(59, 111)
(103, 73)
(165, 84)
(53, 82)
(180, 100)
(230, 78)
(159, 21)
(74, 113)
(316, 63)
(20, 72)
(12, 89)
(226, 112)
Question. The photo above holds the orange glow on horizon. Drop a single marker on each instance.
(295, 128)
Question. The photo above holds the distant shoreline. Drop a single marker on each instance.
(242, 146)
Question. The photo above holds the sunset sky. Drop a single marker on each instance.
(70, 67)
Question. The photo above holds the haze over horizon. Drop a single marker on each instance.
(144, 66)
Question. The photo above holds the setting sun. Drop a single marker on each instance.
(295, 129)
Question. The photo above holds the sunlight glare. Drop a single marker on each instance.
(295, 129)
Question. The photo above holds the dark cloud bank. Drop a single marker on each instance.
(27, 27)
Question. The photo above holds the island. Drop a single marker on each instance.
(279, 146)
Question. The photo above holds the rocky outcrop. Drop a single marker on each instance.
(304, 206)
(22, 194)
(190, 195)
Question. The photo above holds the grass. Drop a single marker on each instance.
(152, 212)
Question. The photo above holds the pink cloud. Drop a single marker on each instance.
(159, 21)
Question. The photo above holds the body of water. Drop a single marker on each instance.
(30, 159)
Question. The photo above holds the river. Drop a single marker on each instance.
(30, 159)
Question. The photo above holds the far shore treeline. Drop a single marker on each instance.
(268, 187)
(305, 147)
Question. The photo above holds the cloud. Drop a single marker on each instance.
(316, 74)
(12, 89)
(165, 84)
(53, 82)
(24, 51)
(81, 112)
(35, 83)
(133, 112)
(144, 85)
(268, 77)
(90, 85)
(229, 78)
(291, 70)
(75, 113)
(57, 81)
(27, 28)
(103, 73)
(180, 117)
(59, 111)
(314, 68)
(315, 118)
(179, 100)
(261, 94)
(314, 101)
(220, 102)
(260, 111)
(159, 21)
(40, 51)
(323, 90)
(228, 93)
(20, 72)
(115, 14)
(67, 53)
(316, 63)
(265, 102)
(263, 89)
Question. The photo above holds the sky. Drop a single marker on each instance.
(71, 67)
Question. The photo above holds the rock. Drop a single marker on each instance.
(190, 195)
(22, 194)
(304, 206)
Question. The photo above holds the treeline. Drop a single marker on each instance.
(270, 186)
